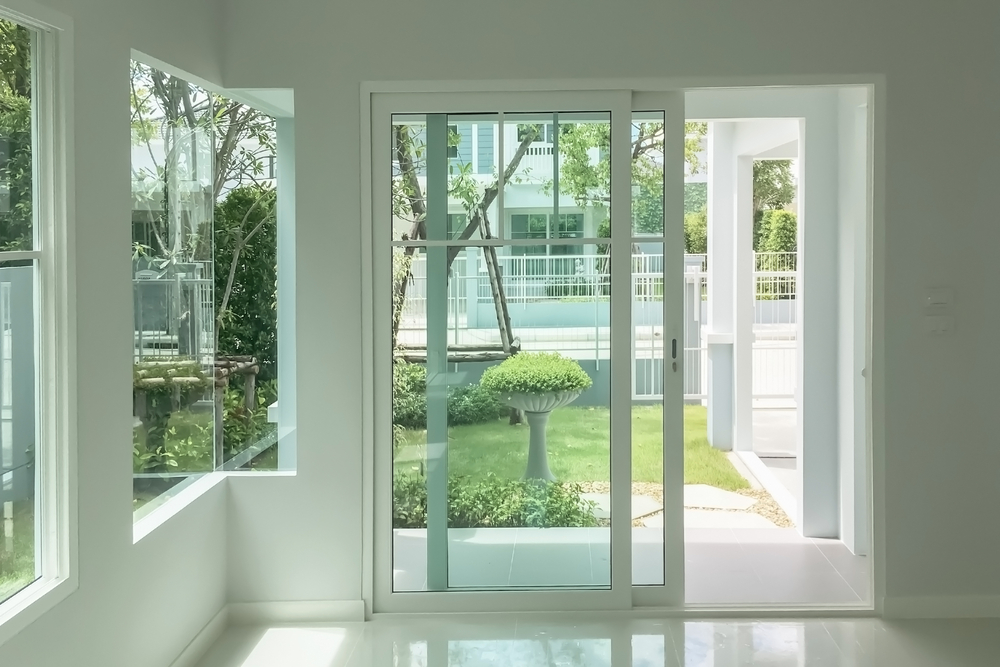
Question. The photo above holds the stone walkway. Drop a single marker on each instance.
(704, 507)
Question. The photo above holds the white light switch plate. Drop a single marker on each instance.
(939, 298)
(939, 325)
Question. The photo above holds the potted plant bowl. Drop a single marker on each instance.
(537, 383)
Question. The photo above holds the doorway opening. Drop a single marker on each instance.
(783, 338)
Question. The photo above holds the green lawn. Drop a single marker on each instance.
(578, 448)
(17, 567)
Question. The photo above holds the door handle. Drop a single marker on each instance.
(673, 349)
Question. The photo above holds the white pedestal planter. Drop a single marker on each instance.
(537, 408)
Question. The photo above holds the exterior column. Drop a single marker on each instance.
(721, 297)
(285, 129)
(744, 292)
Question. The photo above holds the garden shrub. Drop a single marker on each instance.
(536, 373)
(570, 287)
(471, 404)
(494, 503)
(241, 427)
(409, 395)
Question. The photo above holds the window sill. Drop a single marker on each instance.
(25, 607)
(174, 505)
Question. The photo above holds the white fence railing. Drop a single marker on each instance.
(174, 316)
(561, 303)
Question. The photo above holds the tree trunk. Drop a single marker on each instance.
(418, 231)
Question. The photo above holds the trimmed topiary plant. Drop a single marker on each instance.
(537, 383)
(536, 373)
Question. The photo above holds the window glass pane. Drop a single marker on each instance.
(18, 428)
(173, 283)
(204, 233)
(494, 459)
(648, 344)
(557, 168)
(20, 532)
(16, 111)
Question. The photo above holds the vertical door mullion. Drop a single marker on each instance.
(621, 346)
(673, 330)
(437, 353)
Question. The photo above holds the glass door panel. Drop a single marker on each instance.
(658, 362)
(501, 352)
(648, 348)
(511, 428)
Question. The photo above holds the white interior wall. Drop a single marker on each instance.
(937, 496)
(137, 604)
(934, 401)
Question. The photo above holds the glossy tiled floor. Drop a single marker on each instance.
(564, 641)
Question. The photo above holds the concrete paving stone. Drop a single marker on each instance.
(641, 505)
(703, 495)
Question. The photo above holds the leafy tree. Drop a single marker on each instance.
(588, 181)
(246, 244)
(168, 109)
(183, 116)
(773, 189)
(15, 172)
(695, 197)
(696, 232)
(409, 204)
(15, 136)
(773, 184)
(781, 232)
(15, 59)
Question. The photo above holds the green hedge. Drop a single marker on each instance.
(493, 503)
(779, 231)
(470, 404)
(536, 373)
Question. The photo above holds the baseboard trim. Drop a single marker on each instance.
(320, 611)
(203, 641)
(952, 606)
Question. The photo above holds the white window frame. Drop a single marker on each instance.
(52, 100)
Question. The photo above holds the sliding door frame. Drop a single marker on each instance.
(669, 95)
(619, 595)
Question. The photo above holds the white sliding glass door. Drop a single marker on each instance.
(526, 257)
